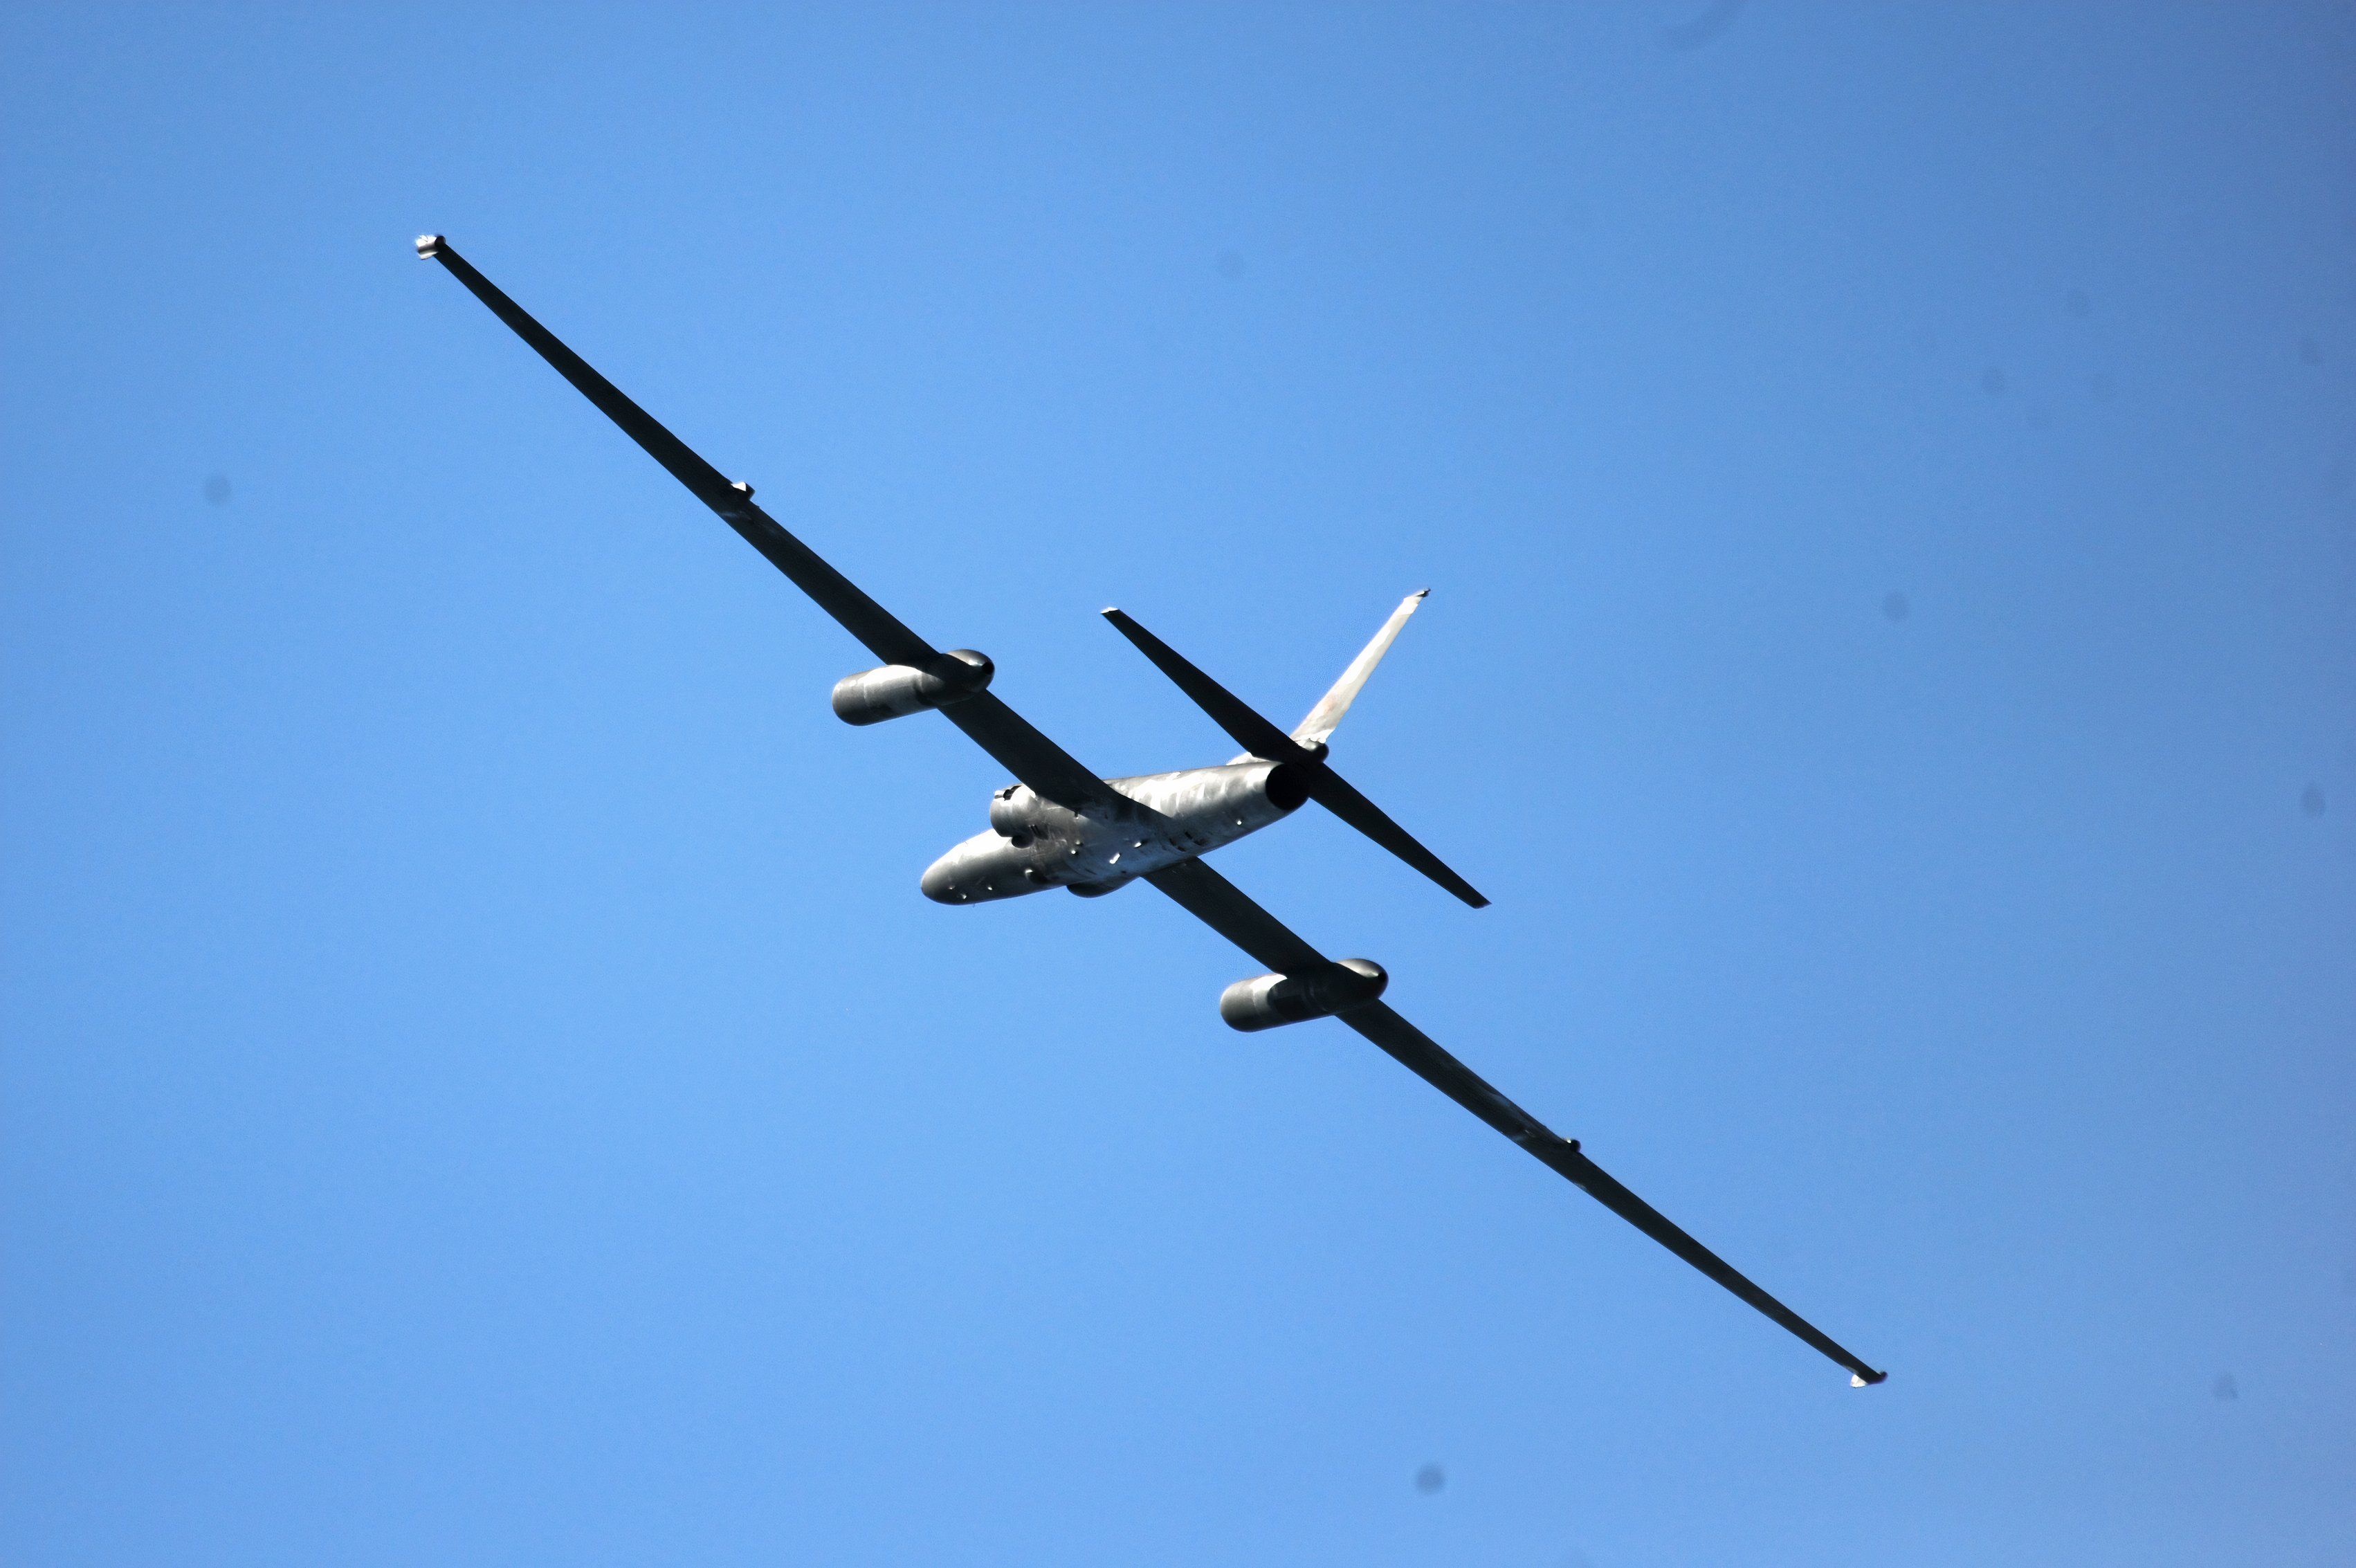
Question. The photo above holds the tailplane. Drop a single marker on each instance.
(1305, 747)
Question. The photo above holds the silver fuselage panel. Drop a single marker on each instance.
(1163, 818)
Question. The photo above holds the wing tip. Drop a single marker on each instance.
(1867, 1378)
(429, 246)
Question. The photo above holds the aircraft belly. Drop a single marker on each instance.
(1202, 808)
(1177, 816)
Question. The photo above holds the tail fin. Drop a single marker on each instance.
(1326, 716)
(1262, 738)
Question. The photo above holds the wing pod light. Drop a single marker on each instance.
(1268, 1000)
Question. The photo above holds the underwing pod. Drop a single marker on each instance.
(1269, 1001)
(896, 691)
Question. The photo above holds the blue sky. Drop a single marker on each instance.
(481, 1085)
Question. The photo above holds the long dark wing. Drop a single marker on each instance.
(995, 727)
(1217, 903)
(1221, 904)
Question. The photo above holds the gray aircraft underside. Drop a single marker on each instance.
(1175, 817)
(1158, 820)
(1059, 826)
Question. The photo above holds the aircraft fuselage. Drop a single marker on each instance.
(1163, 818)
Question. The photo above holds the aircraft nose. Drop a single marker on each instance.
(939, 882)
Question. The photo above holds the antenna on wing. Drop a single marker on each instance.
(1305, 747)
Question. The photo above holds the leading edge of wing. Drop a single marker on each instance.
(1219, 904)
(1017, 743)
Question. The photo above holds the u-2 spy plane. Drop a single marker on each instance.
(1059, 826)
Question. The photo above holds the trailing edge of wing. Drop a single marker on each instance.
(1018, 745)
(1220, 905)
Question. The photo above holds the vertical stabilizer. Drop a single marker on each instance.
(1326, 716)
(1317, 778)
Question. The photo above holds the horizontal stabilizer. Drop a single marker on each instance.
(1262, 738)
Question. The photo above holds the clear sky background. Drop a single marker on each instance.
(481, 1084)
